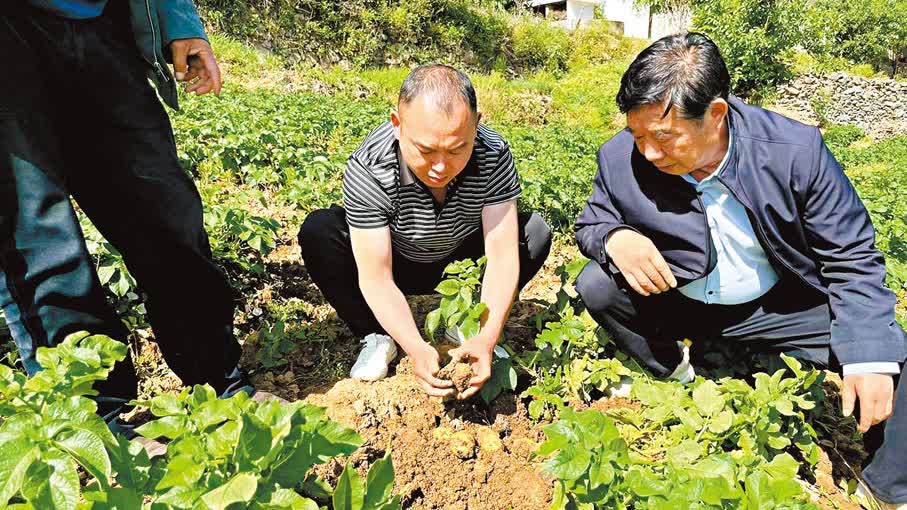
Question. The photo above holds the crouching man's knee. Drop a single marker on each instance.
(597, 288)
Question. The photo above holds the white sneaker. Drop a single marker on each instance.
(372, 362)
(454, 336)
(869, 501)
(683, 374)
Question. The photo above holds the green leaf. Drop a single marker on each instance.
(448, 288)
(783, 466)
(684, 453)
(570, 463)
(379, 482)
(182, 471)
(52, 484)
(239, 489)
(16, 455)
(721, 422)
(708, 398)
(170, 427)
(349, 493)
(432, 320)
(167, 404)
(254, 441)
(89, 451)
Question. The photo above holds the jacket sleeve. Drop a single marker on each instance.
(179, 20)
(841, 237)
(599, 218)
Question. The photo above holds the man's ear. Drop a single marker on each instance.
(718, 109)
(395, 121)
(478, 118)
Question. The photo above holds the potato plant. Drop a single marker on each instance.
(722, 444)
(221, 453)
(459, 308)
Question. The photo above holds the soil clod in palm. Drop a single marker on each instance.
(457, 372)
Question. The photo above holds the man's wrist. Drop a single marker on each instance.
(879, 367)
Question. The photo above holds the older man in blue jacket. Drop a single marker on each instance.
(712, 219)
(79, 118)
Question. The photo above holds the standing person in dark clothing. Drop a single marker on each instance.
(79, 118)
(714, 220)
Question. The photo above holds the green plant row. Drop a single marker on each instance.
(221, 452)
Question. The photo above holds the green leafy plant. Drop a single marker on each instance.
(714, 445)
(274, 344)
(459, 308)
(236, 234)
(50, 428)
(235, 452)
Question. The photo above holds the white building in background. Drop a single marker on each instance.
(633, 21)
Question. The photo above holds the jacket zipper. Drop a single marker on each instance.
(760, 233)
(157, 64)
(708, 239)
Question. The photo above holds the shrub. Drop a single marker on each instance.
(537, 44)
(594, 44)
(871, 32)
(756, 38)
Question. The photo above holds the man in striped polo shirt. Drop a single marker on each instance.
(430, 186)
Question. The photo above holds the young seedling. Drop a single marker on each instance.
(459, 311)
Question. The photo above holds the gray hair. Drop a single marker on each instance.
(444, 85)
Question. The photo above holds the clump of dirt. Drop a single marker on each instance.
(451, 455)
(458, 372)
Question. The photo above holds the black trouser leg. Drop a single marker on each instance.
(48, 284)
(145, 204)
(328, 256)
(646, 328)
(112, 141)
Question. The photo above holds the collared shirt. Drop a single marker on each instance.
(742, 270)
(379, 190)
(72, 9)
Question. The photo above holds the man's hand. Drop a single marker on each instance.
(425, 368)
(876, 395)
(477, 351)
(640, 262)
(194, 63)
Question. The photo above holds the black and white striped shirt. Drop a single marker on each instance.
(379, 190)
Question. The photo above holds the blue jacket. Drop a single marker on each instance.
(804, 210)
(156, 24)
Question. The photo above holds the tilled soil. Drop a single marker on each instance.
(454, 455)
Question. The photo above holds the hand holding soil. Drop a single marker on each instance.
(458, 372)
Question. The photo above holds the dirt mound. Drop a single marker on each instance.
(450, 455)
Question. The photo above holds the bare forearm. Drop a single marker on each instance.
(499, 287)
(389, 305)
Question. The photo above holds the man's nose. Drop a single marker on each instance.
(651, 151)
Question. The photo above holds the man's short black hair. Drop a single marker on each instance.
(684, 71)
(445, 84)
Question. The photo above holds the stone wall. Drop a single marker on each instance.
(877, 105)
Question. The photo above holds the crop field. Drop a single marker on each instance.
(542, 434)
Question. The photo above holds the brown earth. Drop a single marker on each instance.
(453, 455)
(446, 455)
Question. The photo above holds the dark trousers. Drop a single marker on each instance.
(790, 319)
(328, 256)
(78, 117)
